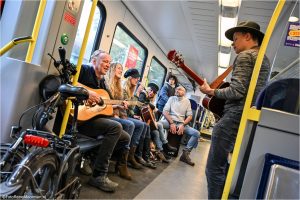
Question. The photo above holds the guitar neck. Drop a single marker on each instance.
(191, 73)
(215, 84)
(118, 102)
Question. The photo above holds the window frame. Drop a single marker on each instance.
(125, 29)
(164, 67)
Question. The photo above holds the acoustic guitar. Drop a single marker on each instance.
(211, 103)
(86, 112)
(148, 117)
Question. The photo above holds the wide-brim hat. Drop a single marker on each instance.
(246, 26)
(134, 73)
(154, 87)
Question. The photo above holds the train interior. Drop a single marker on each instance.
(266, 163)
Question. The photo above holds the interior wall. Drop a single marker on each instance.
(122, 14)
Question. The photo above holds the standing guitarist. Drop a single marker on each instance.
(92, 76)
(246, 38)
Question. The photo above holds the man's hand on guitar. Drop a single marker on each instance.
(94, 98)
(205, 88)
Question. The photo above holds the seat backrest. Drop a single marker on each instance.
(281, 95)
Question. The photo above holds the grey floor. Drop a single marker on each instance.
(175, 180)
(179, 180)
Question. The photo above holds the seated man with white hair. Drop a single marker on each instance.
(178, 114)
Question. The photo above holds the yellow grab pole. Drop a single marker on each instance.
(36, 29)
(81, 54)
(249, 98)
(13, 43)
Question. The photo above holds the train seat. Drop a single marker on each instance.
(282, 95)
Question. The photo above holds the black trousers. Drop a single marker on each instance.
(113, 138)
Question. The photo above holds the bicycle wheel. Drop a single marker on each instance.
(36, 175)
(9, 166)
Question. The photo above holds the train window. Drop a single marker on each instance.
(127, 49)
(95, 33)
(157, 72)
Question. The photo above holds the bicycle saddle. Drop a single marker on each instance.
(68, 90)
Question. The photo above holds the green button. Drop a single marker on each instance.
(64, 39)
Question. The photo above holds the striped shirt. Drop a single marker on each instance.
(236, 93)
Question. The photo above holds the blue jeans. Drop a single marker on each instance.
(128, 126)
(193, 141)
(138, 131)
(144, 137)
(160, 137)
(222, 143)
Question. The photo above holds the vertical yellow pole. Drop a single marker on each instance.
(249, 98)
(81, 54)
(36, 30)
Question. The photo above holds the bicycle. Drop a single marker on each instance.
(48, 170)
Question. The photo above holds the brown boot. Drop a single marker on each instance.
(121, 166)
(186, 158)
(131, 159)
(162, 156)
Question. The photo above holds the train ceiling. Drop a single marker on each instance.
(191, 27)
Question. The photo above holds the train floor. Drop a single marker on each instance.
(175, 180)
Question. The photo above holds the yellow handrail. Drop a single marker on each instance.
(15, 42)
(79, 63)
(36, 30)
(245, 115)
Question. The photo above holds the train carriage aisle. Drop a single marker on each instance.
(175, 180)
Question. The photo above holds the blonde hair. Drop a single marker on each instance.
(129, 88)
(114, 83)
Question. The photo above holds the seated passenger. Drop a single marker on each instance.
(132, 126)
(114, 88)
(92, 76)
(166, 91)
(148, 97)
(161, 143)
(178, 114)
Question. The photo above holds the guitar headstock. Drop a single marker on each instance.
(176, 58)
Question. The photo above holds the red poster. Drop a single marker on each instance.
(132, 57)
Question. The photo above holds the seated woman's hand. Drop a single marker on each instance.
(125, 104)
(137, 117)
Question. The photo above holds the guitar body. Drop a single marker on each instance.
(88, 112)
(148, 117)
(214, 104)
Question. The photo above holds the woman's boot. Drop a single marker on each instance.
(121, 165)
(131, 159)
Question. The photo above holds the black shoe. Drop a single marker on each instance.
(168, 148)
(167, 156)
(140, 160)
(150, 164)
(103, 183)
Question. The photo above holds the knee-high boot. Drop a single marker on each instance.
(131, 159)
(121, 165)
